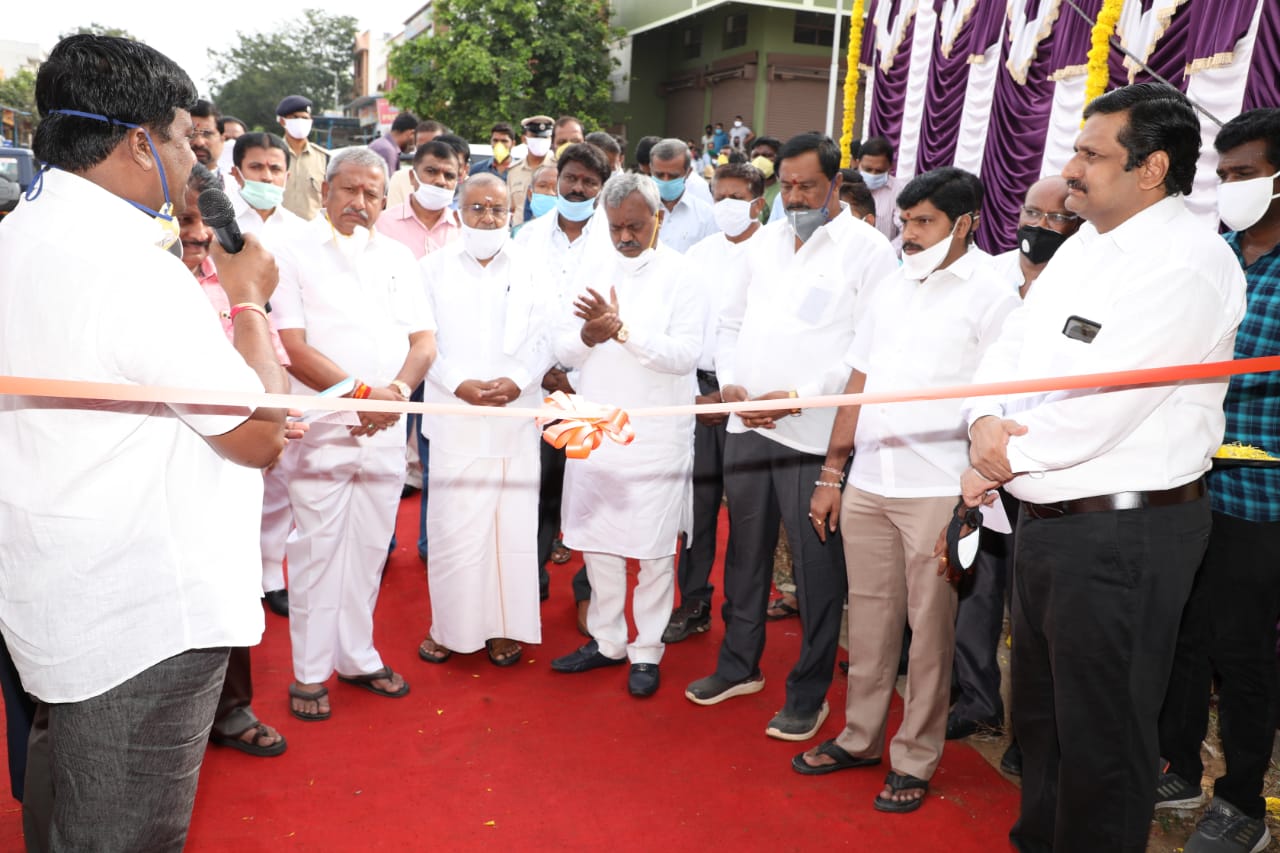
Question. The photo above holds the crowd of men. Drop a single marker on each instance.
(139, 536)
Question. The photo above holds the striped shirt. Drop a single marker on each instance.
(1253, 401)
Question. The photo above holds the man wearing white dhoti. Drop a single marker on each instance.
(350, 305)
(493, 351)
(636, 346)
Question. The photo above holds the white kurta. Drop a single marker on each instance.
(635, 500)
(358, 310)
(484, 471)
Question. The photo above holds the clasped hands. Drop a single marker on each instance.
(599, 315)
(756, 419)
(371, 423)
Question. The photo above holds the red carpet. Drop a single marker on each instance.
(478, 757)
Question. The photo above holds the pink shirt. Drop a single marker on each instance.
(400, 224)
(207, 276)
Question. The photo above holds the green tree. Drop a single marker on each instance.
(493, 60)
(309, 56)
(96, 29)
(19, 91)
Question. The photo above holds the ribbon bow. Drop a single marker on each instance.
(580, 429)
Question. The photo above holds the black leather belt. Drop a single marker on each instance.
(708, 376)
(1120, 501)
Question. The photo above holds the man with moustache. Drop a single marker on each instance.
(350, 307)
(637, 345)
(234, 723)
(493, 351)
(1115, 517)
(129, 561)
(555, 245)
(206, 140)
(778, 329)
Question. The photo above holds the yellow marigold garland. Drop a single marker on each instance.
(1100, 48)
(851, 81)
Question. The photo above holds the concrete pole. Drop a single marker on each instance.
(832, 83)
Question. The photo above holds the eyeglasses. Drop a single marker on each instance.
(1034, 215)
(202, 134)
(479, 210)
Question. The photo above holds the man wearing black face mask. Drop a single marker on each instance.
(782, 329)
(1044, 223)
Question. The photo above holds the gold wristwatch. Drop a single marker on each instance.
(622, 335)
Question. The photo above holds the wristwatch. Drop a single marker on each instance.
(402, 387)
(622, 335)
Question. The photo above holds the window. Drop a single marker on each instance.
(817, 28)
(691, 42)
(735, 31)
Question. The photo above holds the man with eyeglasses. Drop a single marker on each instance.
(1044, 223)
(739, 198)
(206, 140)
(493, 352)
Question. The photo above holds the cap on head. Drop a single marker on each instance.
(538, 126)
(293, 104)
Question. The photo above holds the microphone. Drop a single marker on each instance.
(218, 214)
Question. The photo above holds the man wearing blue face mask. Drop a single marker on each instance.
(260, 171)
(875, 162)
(782, 329)
(689, 219)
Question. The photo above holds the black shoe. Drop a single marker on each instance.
(1011, 761)
(643, 680)
(586, 658)
(277, 601)
(957, 729)
(689, 618)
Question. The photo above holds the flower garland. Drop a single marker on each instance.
(851, 81)
(1100, 48)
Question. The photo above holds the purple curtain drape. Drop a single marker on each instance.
(1168, 58)
(1015, 142)
(986, 22)
(867, 57)
(1217, 26)
(1263, 87)
(890, 98)
(944, 98)
(1071, 35)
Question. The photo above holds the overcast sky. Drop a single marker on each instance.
(183, 31)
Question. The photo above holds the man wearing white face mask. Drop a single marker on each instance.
(779, 326)
(308, 167)
(635, 341)
(688, 218)
(493, 351)
(720, 258)
(350, 307)
(537, 138)
(944, 306)
(1229, 621)
(426, 222)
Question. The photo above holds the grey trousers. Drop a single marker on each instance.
(122, 766)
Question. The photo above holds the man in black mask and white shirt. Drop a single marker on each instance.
(1044, 223)
(780, 330)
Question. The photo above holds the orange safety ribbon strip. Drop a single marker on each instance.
(582, 425)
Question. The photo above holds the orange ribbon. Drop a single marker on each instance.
(583, 425)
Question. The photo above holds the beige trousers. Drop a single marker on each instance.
(893, 580)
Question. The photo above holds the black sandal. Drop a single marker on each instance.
(901, 782)
(252, 747)
(512, 658)
(843, 760)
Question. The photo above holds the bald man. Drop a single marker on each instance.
(1044, 223)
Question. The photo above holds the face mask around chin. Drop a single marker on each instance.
(923, 263)
(639, 262)
(1242, 203)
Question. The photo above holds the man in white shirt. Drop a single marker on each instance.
(129, 562)
(740, 135)
(943, 307)
(1115, 517)
(259, 172)
(492, 351)
(636, 345)
(1044, 224)
(554, 246)
(779, 328)
(350, 306)
(206, 139)
(715, 260)
(231, 129)
(688, 218)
